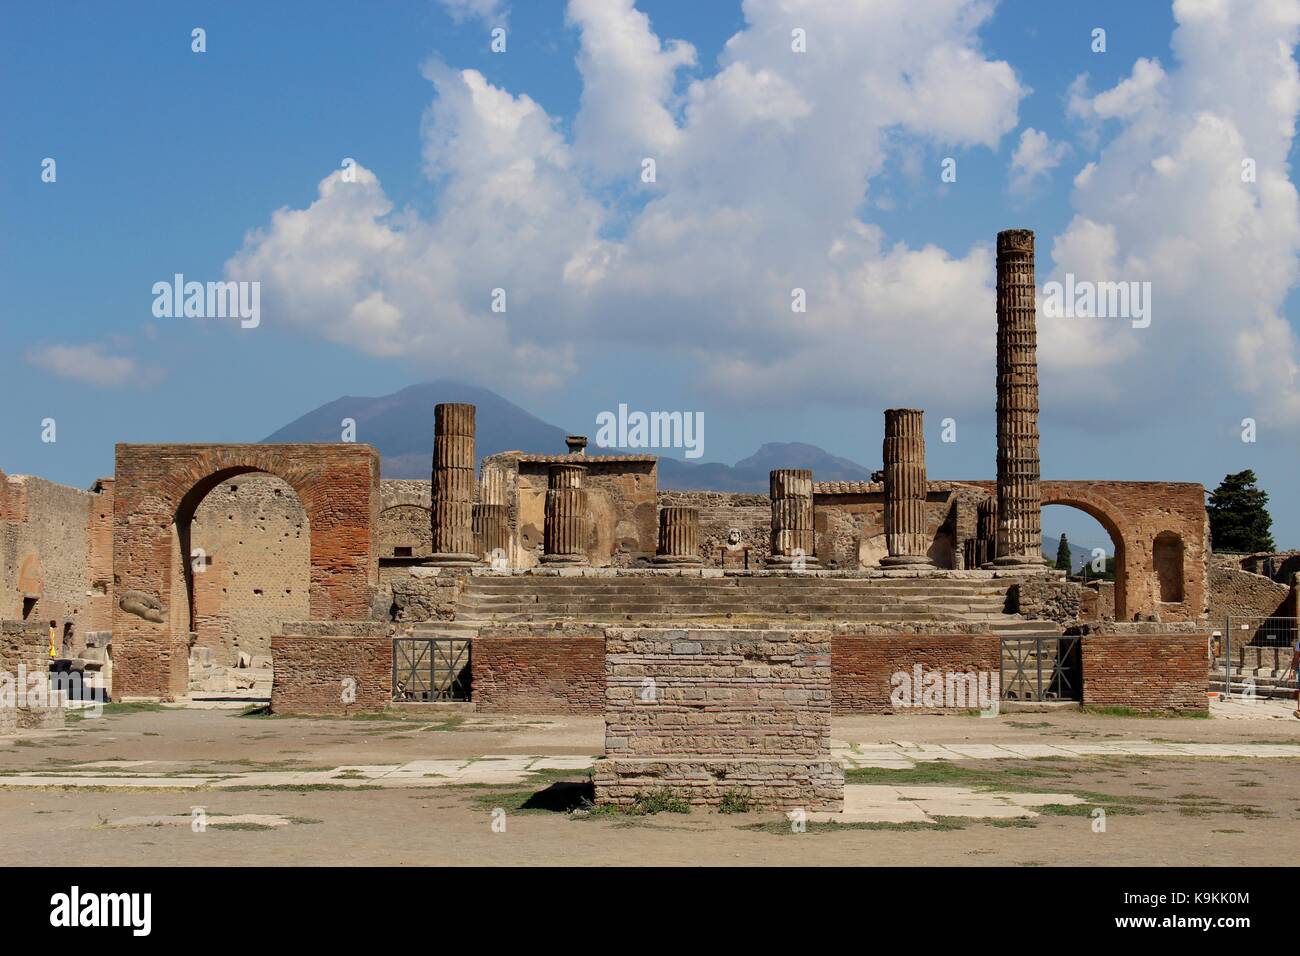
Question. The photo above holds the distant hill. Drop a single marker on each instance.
(400, 426)
(1079, 555)
(751, 474)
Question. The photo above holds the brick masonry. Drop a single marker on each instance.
(705, 713)
(157, 491)
(329, 674)
(1146, 671)
(863, 666)
(538, 671)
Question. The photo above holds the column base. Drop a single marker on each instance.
(906, 561)
(677, 561)
(566, 560)
(453, 560)
(1023, 562)
(783, 562)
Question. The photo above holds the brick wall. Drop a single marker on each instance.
(45, 552)
(863, 666)
(316, 674)
(538, 671)
(24, 642)
(1146, 671)
(1240, 593)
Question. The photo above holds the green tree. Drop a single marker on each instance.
(1063, 557)
(1239, 518)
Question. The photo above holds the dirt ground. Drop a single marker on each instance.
(1158, 810)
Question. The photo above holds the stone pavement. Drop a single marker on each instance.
(155, 775)
(883, 804)
(903, 754)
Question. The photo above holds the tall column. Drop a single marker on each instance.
(905, 489)
(792, 518)
(679, 537)
(565, 536)
(1020, 536)
(452, 514)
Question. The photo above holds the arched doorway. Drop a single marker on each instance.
(1090, 531)
(249, 571)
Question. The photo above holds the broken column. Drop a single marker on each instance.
(679, 537)
(565, 536)
(1019, 535)
(452, 512)
(905, 489)
(792, 519)
(492, 518)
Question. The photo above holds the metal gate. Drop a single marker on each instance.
(1041, 667)
(431, 668)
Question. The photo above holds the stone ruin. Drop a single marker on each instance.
(793, 604)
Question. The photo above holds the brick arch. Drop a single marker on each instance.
(1110, 517)
(157, 489)
(1141, 510)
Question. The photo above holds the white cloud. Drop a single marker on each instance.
(763, 168)
(1165, 202)
(1035, 157)
(87, 363)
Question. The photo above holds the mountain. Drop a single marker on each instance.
(1079, 555)
(751, 474)
(400, 426)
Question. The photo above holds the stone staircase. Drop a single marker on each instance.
(662, 598)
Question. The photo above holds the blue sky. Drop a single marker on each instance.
(167, 160)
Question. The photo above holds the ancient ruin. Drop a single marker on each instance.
(717, 632)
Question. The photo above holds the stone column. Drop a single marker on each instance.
(1019, 537)
(679, 537)
(492, 532)
(565, 537)
(452, 512)
(905, 489)
(792, 518)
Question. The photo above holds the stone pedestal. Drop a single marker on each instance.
(905, 489)
(1019, 535)
(565, 536)
(792, 519)
(452, 511)
(713, 716)
(679, 538)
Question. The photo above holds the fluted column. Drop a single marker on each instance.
(565, 537)
(792, 518)
(452, 512)
(1020, 536)
(491, 531)
(679, 537)
(905, 488)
